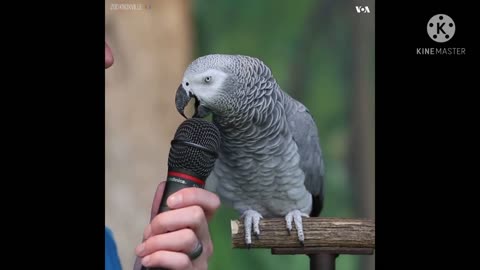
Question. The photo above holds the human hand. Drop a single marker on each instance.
(172, 235)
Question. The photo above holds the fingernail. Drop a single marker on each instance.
(140, 249)
(174, 200)
(145, 260)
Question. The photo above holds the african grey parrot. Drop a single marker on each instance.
(270, 162)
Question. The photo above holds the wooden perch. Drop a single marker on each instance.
(322, 235)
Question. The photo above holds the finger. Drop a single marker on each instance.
(191, 217)
(184, 240)
(168, 260)
(195, 196)
(157, 199)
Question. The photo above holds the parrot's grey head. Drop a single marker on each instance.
(219, 81)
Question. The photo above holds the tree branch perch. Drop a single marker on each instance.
(322, 235)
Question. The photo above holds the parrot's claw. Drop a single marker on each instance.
(257, 235)
(251, 217)
(296, 217)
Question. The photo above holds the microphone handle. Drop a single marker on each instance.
(177, 179)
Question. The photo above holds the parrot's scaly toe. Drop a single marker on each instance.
(296, 217)
(251, 217)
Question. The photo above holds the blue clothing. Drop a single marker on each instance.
(112, 261)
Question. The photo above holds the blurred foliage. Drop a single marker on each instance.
(271, 30)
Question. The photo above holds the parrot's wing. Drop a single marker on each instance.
(305, 134)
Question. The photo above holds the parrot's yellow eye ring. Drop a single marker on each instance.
(207, 79)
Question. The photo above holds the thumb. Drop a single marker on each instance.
(157, 199)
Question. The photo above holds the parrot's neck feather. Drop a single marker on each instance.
(259, 110)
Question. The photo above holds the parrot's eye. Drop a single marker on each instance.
(208, 79)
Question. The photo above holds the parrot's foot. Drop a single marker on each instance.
(296, 216)
(251, 217)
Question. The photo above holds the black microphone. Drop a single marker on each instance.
(192, 156)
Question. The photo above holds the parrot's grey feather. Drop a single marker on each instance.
(270, 163)
(305, 134)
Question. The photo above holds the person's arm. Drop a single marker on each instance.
(171, 235)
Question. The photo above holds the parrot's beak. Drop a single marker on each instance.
(182, 98)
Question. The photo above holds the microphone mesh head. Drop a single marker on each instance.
(190, 157)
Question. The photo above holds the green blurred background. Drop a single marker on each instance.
(320, 52)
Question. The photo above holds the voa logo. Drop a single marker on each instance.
(362, 9)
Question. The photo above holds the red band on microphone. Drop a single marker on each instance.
(187, 177)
